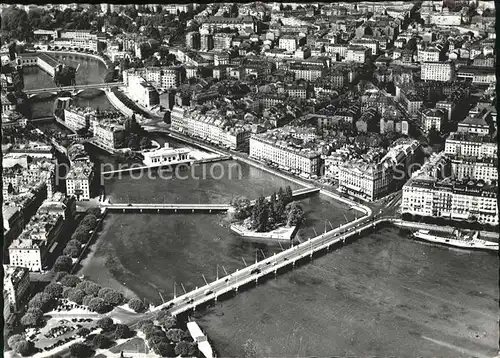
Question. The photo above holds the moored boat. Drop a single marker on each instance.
(469, 241)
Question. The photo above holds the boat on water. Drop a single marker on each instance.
(469, 241)
(200, 339)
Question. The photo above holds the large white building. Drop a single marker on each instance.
(167, 155)
(76, 118)
(209, 128)
(160, 77)
(31, 247)
(301, 161)
(432, 118)
(471, 145)
(358, 54)
(451, 199)
(79, 179)
(16, 284)
(288, 43)
(437, 71)
(370, 179)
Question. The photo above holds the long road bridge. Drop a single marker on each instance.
(270, 265)
(73, 89)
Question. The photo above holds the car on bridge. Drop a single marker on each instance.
(208, 292)
(255, 271)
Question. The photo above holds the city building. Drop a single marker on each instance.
(16, 283)
(374, 176)
(39, 237)
(285, 152)
(460, 200)
(432, 118)
(79, 180)
(437, 71)
(167, 155)
(358, 54)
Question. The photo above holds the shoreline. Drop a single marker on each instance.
(282, 233)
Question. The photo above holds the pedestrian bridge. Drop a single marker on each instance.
(163, 208)
(73, 89)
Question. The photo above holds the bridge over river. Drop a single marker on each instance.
(73, 89)
(184, 208)
(271, 265)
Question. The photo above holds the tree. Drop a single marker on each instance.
(54, 290)
(295, 214)
(113, 298)
(101, 341)
(70, 281)
(251, 349)
(89, 220)
(136, 304)
(121, 331)
(31, 319)
(41, 301)
(164, 349)
(167, 322)
(86, 300)
(91, 288)
(288, 195)
(71, 251)
(153, 330)
(104, 291)
(110, 76)
(13, 340)
(74, 242)
(97, 305)
(176, 335)
(76, 296)
(94, 211)
(81, 234)
(83, 332)
(63, 263)
(106, 324)
(144, 323)
(24, 348)
(133, 142)
(80, 350)
(185, 349)
(145, 143)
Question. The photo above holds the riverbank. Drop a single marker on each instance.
(284, 233)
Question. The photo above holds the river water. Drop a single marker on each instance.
(382, 295)
(91, 71)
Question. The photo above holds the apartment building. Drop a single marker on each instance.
(370, 178)
(432, 118)
(470, 200)
(76, 118)
(470, 145)
(193, 40)
(373, 45)
(246, 24)
(79, 180)
(16, 283)
(484, 169)
(358, 54)
(108, 133)
(161, 77)
(429, 54)
(437, 71)
(307, 72)
(293, 158)
(288, 43)
(30, 249)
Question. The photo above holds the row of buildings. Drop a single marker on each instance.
(460, 183)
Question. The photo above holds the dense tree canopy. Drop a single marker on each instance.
(63, 263)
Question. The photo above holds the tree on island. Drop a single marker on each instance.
(13, 340)
(70, 280)
(65, 77)
(295, 214)
(106, 324)
(121, 331)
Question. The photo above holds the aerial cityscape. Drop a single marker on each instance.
(258, 179)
